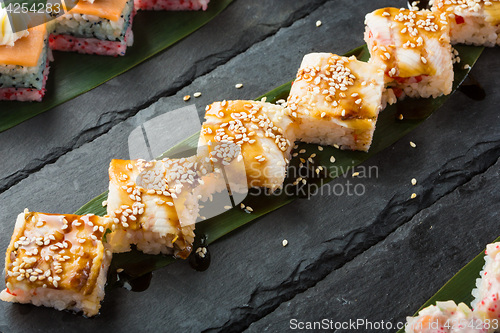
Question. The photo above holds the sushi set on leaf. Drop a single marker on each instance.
(61, 260)
(99, 27)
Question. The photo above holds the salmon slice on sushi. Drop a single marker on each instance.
(472, 22)
(24, 62)
(261, 133)
(446, 317)
(154, 205)
(414, 49)
(101, 27)
(173, 5)
(336, 100)
(57, 261)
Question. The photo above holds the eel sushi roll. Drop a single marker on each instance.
(171, 4)
(336, 100)
(57, 261)
(102, 27)
(446, 317)
(414, 49)
(24, 62)
(472, 22)
(154, 205)
(259, 133)
(486, 303)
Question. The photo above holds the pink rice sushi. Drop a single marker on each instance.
(446, 317)
(171, 4)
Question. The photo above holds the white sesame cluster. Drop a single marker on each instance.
(331, 81)
(166, 179)
(244, 127)
(47, 243)
(463, 5)
(412, 26)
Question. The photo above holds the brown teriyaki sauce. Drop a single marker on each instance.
(472, 89)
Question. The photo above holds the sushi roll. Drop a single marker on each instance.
(24, 62)
(446, 317)
(486, 303)
(414, 49)
(260, 132)
(171, 4)
(472, 22)
(336, 100)
(103, 27)
(154, 205)
(57, 261)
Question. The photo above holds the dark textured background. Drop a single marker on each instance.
(379, 256)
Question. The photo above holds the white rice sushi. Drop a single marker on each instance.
(472, 22)
(263, 133)
(445, 317)
(57, 261)
(336, 100)
(414, 49)
(154, 205)
(486, 303)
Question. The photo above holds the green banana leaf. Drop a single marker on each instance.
(73, 74)
(389, 130)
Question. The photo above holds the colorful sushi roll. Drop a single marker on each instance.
(57, 261)
(335, 101)
(261, 132)
(472, 22)
(171, 4)
(486, 303)
(24, 62)
(154, 205)
(446, 317)
(102, 27)
(414, 49)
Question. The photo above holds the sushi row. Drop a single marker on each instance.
(61, 260)
(101, 27)
(485, 313)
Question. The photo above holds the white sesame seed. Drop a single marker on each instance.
(413, 195)
(355, 174)
(227, 207)
(318, 23)
(332, 159)
(104, 203)
(414, 182)
(197, 94)
(412, 144)
(239, 85)
(284, 242)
